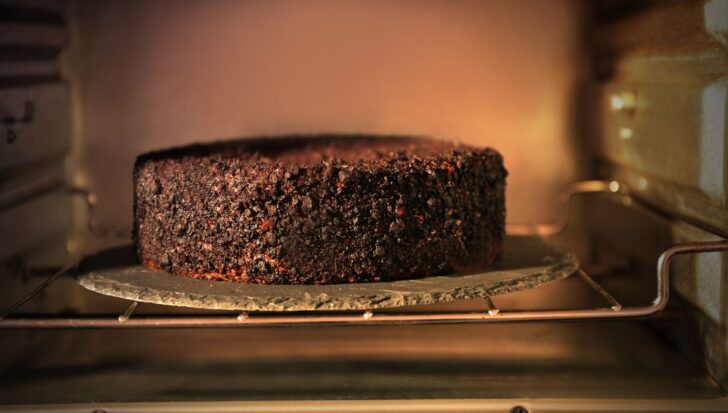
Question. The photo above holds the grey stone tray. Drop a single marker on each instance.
(527, 263)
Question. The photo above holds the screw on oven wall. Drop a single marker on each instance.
(27, 117)
(519, 409)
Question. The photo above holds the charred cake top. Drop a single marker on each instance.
(307, 150)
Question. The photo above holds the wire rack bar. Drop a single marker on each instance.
(127, 314)
(565, 197)
(616, 305)
(492, 309)
(50, 280)
(493, 314)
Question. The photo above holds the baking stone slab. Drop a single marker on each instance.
(527, 262)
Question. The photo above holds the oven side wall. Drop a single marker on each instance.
(661, 98)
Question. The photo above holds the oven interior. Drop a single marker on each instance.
(627, 98)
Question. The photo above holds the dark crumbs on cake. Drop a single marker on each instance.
(319, 209)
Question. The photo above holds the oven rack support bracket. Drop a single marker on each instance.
(493, 313)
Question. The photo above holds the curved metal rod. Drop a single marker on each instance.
(99, 230)
(669, 254)
(565, 197)
(665, 258)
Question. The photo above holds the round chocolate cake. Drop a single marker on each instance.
(319, 210)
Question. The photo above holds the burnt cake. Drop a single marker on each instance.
(319, 210)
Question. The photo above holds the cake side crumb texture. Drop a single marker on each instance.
(319, 210)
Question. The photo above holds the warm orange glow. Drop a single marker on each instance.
(158, 74)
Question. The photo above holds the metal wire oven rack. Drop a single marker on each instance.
(493, 314)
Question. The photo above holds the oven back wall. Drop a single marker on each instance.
(149, 75)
